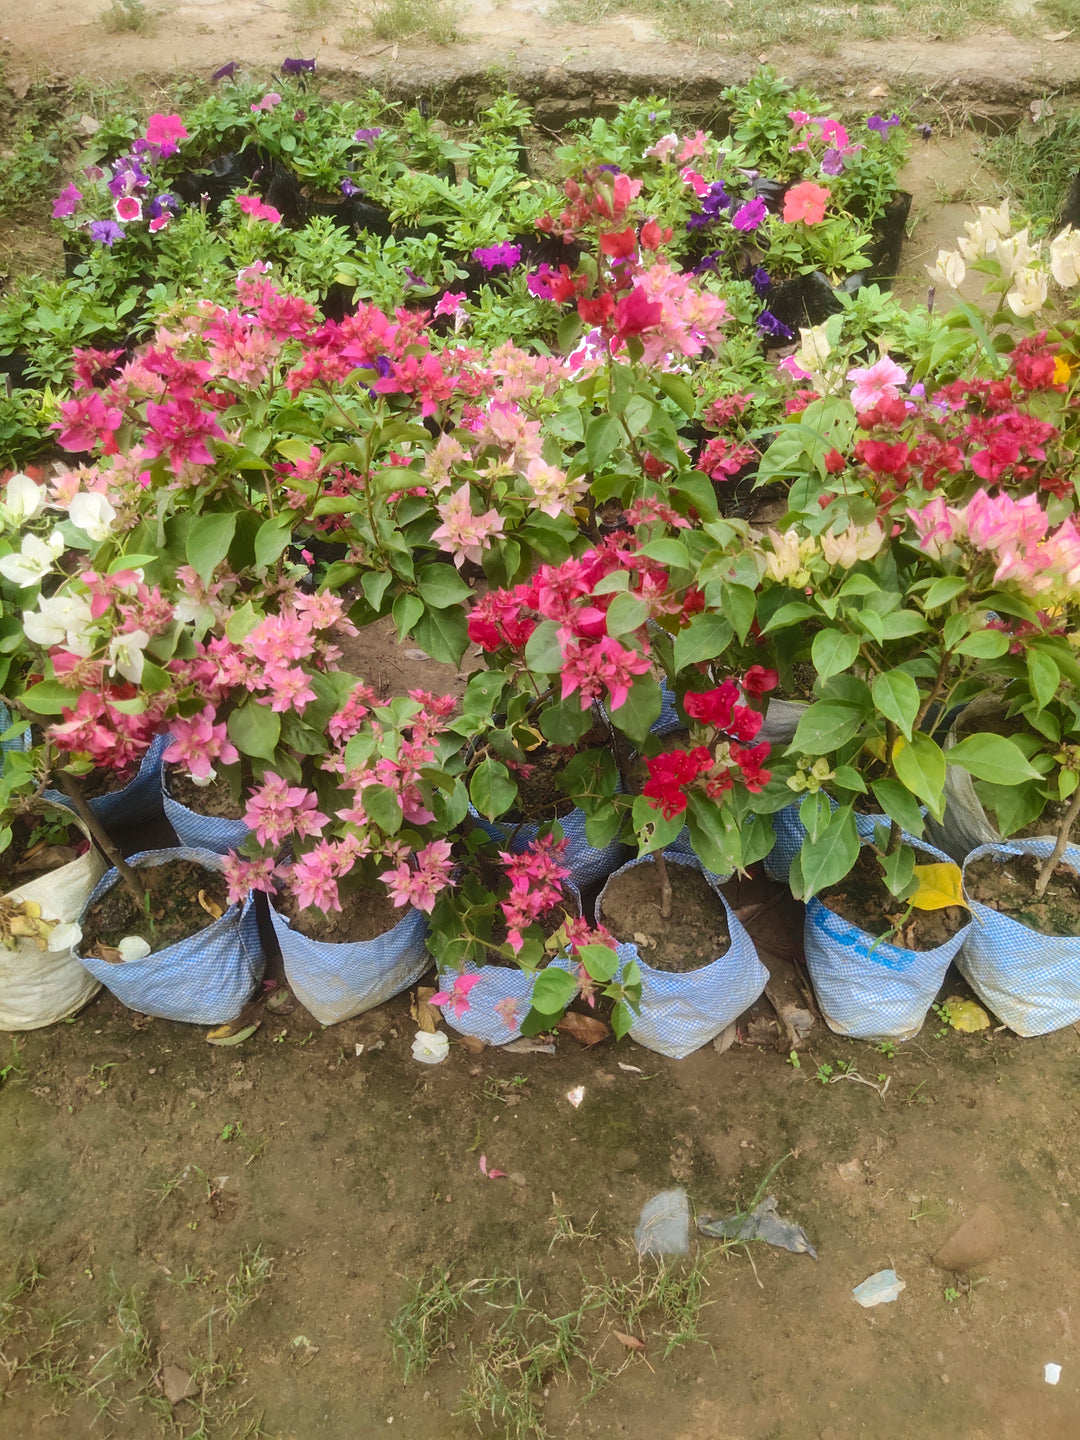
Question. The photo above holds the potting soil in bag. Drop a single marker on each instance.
(206, 979)
(206, 832)
(868, 988)
(1029, 980)
(39, 987)
(681, 1012)
(586, 864)
(336, 980)
(139, 800)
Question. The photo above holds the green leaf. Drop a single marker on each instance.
(374, 584)
(272, 540)
(706, 637)
(625, 613)
(714, 833)
(443, 634)
(640, 709)
(601, 962)
(543, 652)
(899, 624)
(897, 697)
(898, 804)
(48, 697)
(565, 722)
(995, 758)
(676, 388)
(441, 586)
(833, 651)
(652, 830)
(1044, 677)
(984, 645)
(738, 604)
(383, 807)
(919, 764)
(208, 542)
(944, 589)
(255, 730)
(406, 612)
(491, 789)
(899, 871)
(553, 991)
(822, 862)
(602, 434)
(827, 725)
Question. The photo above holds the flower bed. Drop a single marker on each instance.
(537, 464)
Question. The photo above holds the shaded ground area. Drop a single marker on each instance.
(256, 1217)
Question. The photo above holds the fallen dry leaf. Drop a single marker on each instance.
(584, 1029)
(630, 1341)
(878, 92)
(425, 1014)
(1058, 35)
(633, 1069)
(108, 953)
(491, 1174)
(43, 856)
(472, 1044)
(576, 1095)
(210, 906)
(726, 1038)
(525, 1046)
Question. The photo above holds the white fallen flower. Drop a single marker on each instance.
(133, 947)
(431, 1048)
(64, 937)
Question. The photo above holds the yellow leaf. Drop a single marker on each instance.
(425, 1014)
(876, 748)
(966, 1016)
(210, 906)
(939, 885)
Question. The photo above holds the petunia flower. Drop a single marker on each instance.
(806, 202)
(496, 257)
(66, 203)
(105, 232)
(876, 122)
(875, 383)
(257, 209)
(368, 137)
(296, 67)
(128, 207)
(749, 216)
(224, 72)
(268, 102)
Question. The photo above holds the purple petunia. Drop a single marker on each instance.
(105, 231)
(367, 137)
(383, 366)
(224, 72)
(707, 262)
(296, 67)
(925, 130)
(66, 202)
(832, 162)
(348, 189)
(760, 280)
(772, 328)
(496, 257)
(881, 125)
(749, 216)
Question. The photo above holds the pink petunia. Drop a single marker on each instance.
(805, 201)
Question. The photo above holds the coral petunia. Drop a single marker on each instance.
(805, 201)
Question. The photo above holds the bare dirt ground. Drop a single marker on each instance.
(256, 1216)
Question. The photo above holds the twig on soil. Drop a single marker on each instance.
(793, 1042)
(861, 1080)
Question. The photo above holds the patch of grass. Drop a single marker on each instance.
(432, 20)
(129, 16)
(769, 22)
(306, 14)
(243, 1288)
(1038, 170)
(421, 1329)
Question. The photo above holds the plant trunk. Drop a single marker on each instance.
(665, 885)
(73, 790)
(1059, 849)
